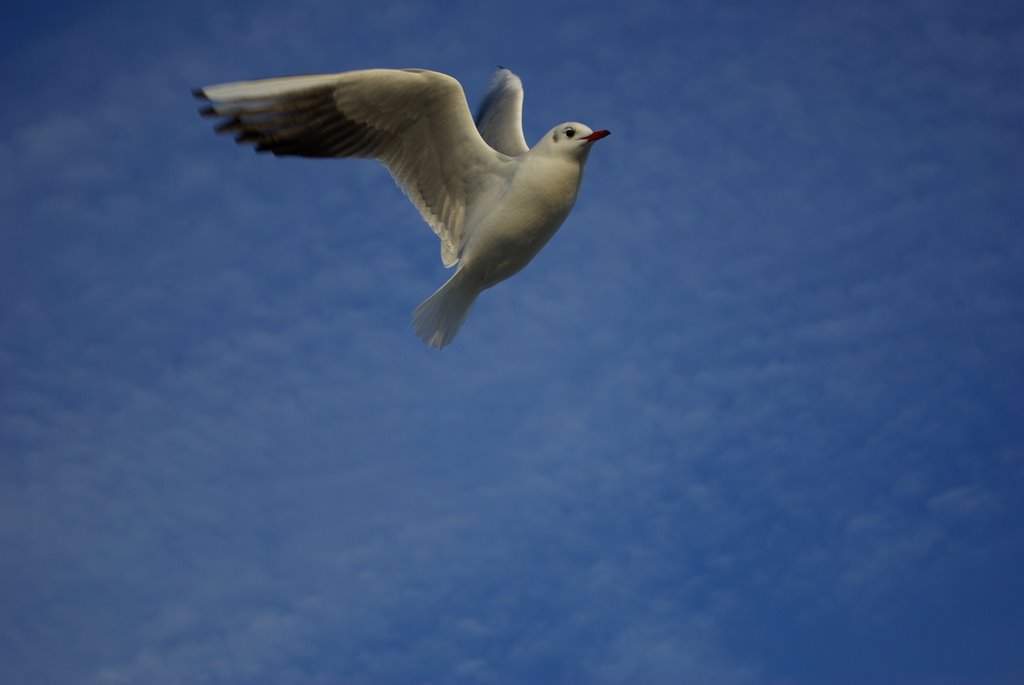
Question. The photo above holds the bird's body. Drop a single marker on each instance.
(492, 202)
(530, 206)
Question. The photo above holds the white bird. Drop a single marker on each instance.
(493, 201)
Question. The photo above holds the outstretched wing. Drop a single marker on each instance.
(500, 117)
(416, 122)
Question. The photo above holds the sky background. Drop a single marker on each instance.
(753, 416)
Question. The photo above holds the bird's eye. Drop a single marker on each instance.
(570, 132)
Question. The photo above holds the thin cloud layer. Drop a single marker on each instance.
(751, 417)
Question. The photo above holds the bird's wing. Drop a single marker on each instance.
(416, 122)
(500, 117)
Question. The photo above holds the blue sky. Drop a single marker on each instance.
(753, 415)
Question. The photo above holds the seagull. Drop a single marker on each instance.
(493, 201)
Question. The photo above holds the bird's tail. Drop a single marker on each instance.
(438, 319)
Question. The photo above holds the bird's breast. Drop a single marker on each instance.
(536, 202)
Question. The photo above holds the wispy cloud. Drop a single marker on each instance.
(760, 391)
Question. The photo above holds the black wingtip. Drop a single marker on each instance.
(232, 124)
(199, 94)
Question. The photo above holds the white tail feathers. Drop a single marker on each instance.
(438, 319)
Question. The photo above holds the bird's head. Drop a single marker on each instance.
(571, 138)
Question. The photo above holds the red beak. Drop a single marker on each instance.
(596, 135)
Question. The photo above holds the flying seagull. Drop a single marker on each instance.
(493, 201)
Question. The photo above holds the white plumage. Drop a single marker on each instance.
(492, 202)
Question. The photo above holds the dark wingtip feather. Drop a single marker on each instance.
(208, 112)
(232, 124)
(199, 94)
